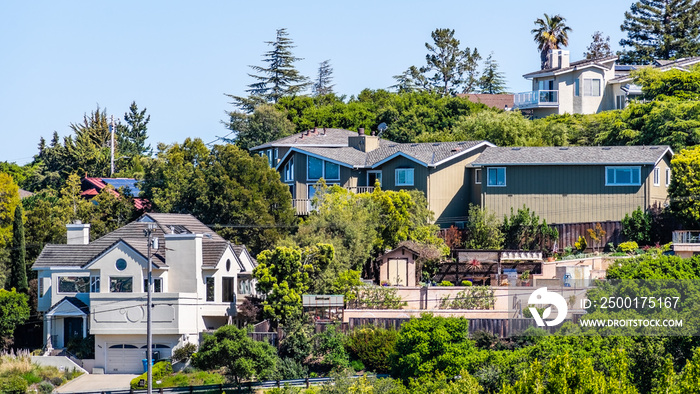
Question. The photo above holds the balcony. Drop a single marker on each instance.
(686, 243)
(537, 99)
(302, 206)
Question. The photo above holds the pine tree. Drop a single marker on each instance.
(661, 29)
(277, 80)
(599, 48)
(131, 137)
(18, 269)
(323, 84)
(492, 80)
(448, 68)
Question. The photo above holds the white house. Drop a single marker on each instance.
(99, 287)
(585, 86)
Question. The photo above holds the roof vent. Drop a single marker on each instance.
(461, 143)
(436, 144)
(607, 148)
(563, 148)
(414, 145)
(653, 147)
(515, 148)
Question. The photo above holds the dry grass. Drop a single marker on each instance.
(16, 363)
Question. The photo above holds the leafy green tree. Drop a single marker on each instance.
(297, 343)
(284, 274)
(637, 227)
(14, 311)
(498, 127)
(482, 229)
(265, 124)
(280, 78)
(431, 344)
(329, 347)
(9, 199)
(242, 357)
(599, 47)
(524, 231)
(239, 195)
(550, 33)
(492, 80)
(324, 81)
(670, 84)
(446, 66)
(373, 346)
(660, 29)
(18, 269)
(685, 186)
(131, 137)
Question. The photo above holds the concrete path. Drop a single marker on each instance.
(96, 383)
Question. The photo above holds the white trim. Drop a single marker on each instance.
(396, 177)
(538, 74)
(55, 306)
(664, 154)
(312, 155)
(478, 179)
(488, 177)
(638, 168)
(397, 154)
(477, 146)
(291, 169)
(656, 176)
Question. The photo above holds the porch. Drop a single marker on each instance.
(536, 99)
(686, 243)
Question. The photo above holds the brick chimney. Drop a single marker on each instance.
(365, 143)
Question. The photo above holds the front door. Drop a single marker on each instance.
(72, 328)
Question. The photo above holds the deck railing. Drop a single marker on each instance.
(302, 206)
(537, 98)
(686, 237)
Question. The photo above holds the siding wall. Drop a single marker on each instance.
(568, 194)
(348, 177)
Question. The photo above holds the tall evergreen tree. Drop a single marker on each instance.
(661, 29)
(550, 33)
(280, 78)
(323, 84)
(492, 80)
(448, 70)
(131, 137)
(600, 47)
(18, 268)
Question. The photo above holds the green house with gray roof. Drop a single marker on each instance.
(573, 184)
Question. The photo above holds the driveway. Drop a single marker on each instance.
(96, 383)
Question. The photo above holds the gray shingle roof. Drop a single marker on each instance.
(580, 155)
(332, 137)
(572, 65)
(132, 234)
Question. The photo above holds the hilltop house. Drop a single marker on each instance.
(99, 288)
(586, 86)
(91, 186)
(574, 184)
(356, 161)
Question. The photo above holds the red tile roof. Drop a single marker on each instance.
(492, 100)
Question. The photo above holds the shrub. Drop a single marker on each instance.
(357, 365)
(628, 247)
(45, 388)
(288, 368)
(373, 346)
(160, 370)
(478, 297)
(184, 352)
(581, 244)
(466, 283)
(13, 385)
(445, 283)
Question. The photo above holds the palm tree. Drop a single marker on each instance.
(551, 33)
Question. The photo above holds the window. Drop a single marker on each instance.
(271, 155)
(317, 168)
(331, 171)
(622, 176)
(73, 284)
(243, 286)
(404, 177)
(546, 84)
(314, 168)
(373, 177)
(94, 284)
(496, 176)
(657, 176)
(591, 87)
(121, 264)
(228, 291)
(289, 170)
(576, 88)
(40, 284)
(620, 102)
(157, 285)
(121, 284)
(210, 289)
(477, 176)
(668, 177)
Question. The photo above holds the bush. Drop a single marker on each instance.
(581, 244)
(373, 346)
(466, 283)
(13, 385)
(45, 388)
(445, 283)
(288, 368)
(160, 371)
(357, 365)
(184, 352)
(628, 247)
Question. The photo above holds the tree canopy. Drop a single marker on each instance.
(550, 33)
(599, 47)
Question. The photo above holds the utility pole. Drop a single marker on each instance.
(148, 232)
(111, 159)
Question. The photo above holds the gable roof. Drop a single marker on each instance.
(574, 155)
(78, 256)
(73, 302)
(577, 65)
(321, 137)
(662, 65)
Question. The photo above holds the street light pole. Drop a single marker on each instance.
(149, 334)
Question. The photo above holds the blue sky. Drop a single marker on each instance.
(177, 59)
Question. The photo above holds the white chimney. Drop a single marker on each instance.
(558, 58)
(78, 233)
(564, 59)
(183, 254)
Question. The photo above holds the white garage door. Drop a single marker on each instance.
(125, 358)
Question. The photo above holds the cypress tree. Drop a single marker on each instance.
(661, 29)
(18, 270)
(492, 81)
